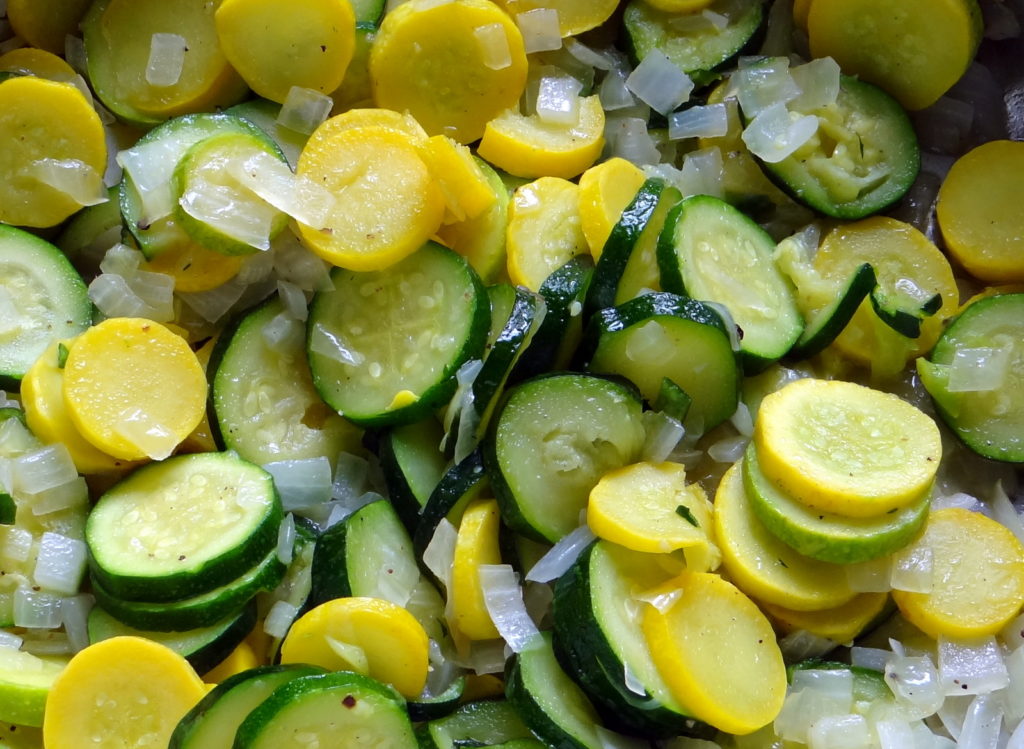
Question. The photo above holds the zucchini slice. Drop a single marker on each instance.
(713, 252)
(460, 484)
(46, 297)
(412, 463)
(553, 440)
(384, 346)
(823, 328)
(480, 723)
(182, 527)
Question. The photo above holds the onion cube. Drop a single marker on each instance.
(166, 59)
(775, 133)
(659, 83)
(540, 29)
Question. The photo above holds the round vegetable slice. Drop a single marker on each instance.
(477, 544)
(544, 231)
(840, 624)
(606, 190)
(46, 23)
(846, 448)
(25, 683)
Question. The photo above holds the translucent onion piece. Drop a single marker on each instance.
(122, 260)
(818, 81)
(765, 85)
(42, 469)
(869, 577)
(301, 483)
(166, 59)
(711, 121)
(561, 556)
(74, 613)
(915, 683)
(286, 539)
(974, 667)
(293, 299)
(466, 438)
(324, 342)
(350, 476)
(600, 59)
(304, 109)
(256, 268)
(912, 569)
(840, 732)
(728, 449)
(1013, 696)
(982, 723)
(151, 166)
(958, 499)
(279, 619)
(493, 43)
(613, 92)
(662, 434)
(9, 640)
(981, 369)
(659, 82)
(464, 377)
(72, 177)
(894, 734)
(219, 207)
(297, 265)
(74, 52)
(558, 100)
(1004, 511)
(633, 683)
(273, 181)
(396, 582)
(702, 173)
(835, 684)
(612, 740)
(538, 598)
(114, 297)
(15, 543)
(284, 334)
(1000, 22)
(504, 601)
(629, 139)
(775, 133)
(152, 438)
(36, 609)
(73, 494)
(660, 598)
(873, 658)
(540, 29)
(214, 304)
(801, 710)
(742, 420)
(440, 552)
(156, 290)
(801, 645)
(487, 657)
(46, 642)
(1012, 634)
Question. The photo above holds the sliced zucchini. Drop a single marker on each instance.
(696, 48)
(384, 346)
(555, 341)
(204, 648)
(863, 158)
(212, 723)
(553, 440)
(663, 335)
(673, 400)
(43, 298)
(548, 701)
(829, 322)
(868, 684)
(199, 611)
(8, 507)
(91, 232)
(412, 463)
(713, 252)
(262, 393)
(597, 633)
(437, 706)
(903, 312)
(182, 527)
(460, 484)
(826, 536)
(263, 114)
(295, 585)
(976, 377)
(481, 723)
(328, 710)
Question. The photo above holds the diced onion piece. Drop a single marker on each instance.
(975, 667)
(801, 710)
(304, 109)
(286, 539)
(294, 300)
(765, 85)
(9, 640)
(958, 499)
(350, 476)
(44, 468)
(702, 174)
(728, 449)
(487, 657)
(663, 599)
(504, 601)
(818, 81)
(981, 369)
(152, 438)
(730, 324)
(296, 264)
(464, 377)
(982, 723)
(324, 342)
(775, 133)
(156, 291)
(114, 297)
(915, 683)
(74, 614)
(742, 420)
(36, 609)
(873, 658)
(301, 483)
(284, 334)
(218, 206)
(558, 99)
(613, 92)
(121, 260)
(945, 125)
(800, 645)
(835, 684)
(659, 82)
(273, 181)
(60, 563)
(894, 734)
(869, 577)
(1004, 511)
(72, 177)
(1013, 697)
(633, 683)
(629, 139)
(15, 543)
(912, 569)
(279, 619)
(662, 434)
(599, 59)
(396, 582)
(1000, 22)
(166, 59)
(840, 732)
(466, 438)
(439, 556)
(150, 166)
(711, 121)
(1012, 634)
(58, 498)
(214, 304)
(540, 29)
(74, 52)
(493, 43)
(561, 556)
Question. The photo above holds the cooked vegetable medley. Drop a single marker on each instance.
(511, 373)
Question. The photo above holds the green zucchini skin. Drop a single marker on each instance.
(412, 464)
(438, 706)
(902, 317)
(478, 723)
(826, 326)
(458, 486)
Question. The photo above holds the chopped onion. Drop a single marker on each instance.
(1013, 696)
(800, 645)
(60, 563)
(981, 369)
(257, 268)
(661, 598)
(152, 438)
(487, 657)
(284, 334)
(74, 53)
(64, 497)
(301, 483)
(765, 85)
(71, 177)
(156, 291)
(6, 401)
(114, 297)
(662, 434)
(982, 723)
(1012, 634)
(439, 556)
(36, 609)
(730, 324)
(711, 121)
(112, 173)
(538, 598)
(873, 658)
(279, 619)
(728, 449)
(296, 264)
(974, 667)
(15, 543)
(558, 99)
(273, 181)
(775, 133)
(214, 304)
(840, 732)
(540, 29)
(46, 642)
(294, 300)
(945, 126)
(912, 569)
(702, 173)
(350, 476)
(150, 166)
(894, 734)
(818, 81)
(628, 138)
(464, 377)
(613, 92)
(304, 109)
(1016, 738)
(802, 709)
(493, 43)
(74, 613)
(44, 468)
(742, 420)
(286, 539)
(869, 577)
(632, 682)
(1000, 21)
(659, 82)
(600, 59)
(835, 684)
(333, 512)
(121, 260)
(223, 208)
(9, 640)
(166, 59)
(504, 601)
(915, 683)
(397, 581)
(561, 556)
(959, 500)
